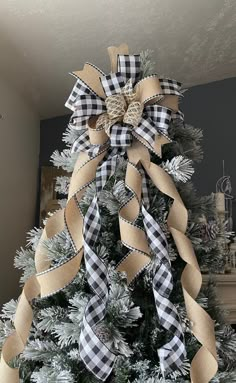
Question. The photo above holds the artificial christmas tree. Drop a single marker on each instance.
(112, 282)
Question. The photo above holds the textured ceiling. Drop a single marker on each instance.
(194, 41)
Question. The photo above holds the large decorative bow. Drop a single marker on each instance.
(125, 103)
(116, 113)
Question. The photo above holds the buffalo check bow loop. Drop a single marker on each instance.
(116, 114)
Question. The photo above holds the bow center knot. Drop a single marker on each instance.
(116, 106)
(121, 108)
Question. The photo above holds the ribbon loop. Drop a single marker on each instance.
(133, 114)
(128, 92)
(89, 78)
(149, 89)
(130, 67)
(112, 83)
(116, 106)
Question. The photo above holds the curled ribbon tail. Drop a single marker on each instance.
(173, 353)
(204, 364)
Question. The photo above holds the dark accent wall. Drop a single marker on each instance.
(210, 107)
(51, 131)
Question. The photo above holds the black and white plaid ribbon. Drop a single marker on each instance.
(84, 103)
(121, 136)
(172, 353)
(112, 83)
(98, 358)
(130, 67)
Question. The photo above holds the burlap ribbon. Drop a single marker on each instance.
(48, 280)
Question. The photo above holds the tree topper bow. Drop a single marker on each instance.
(125, 104)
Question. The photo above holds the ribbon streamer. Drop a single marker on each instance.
(96, 355)
(171, 354)
(158, 98)
(204, 364)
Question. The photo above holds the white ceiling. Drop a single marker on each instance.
(194, 41)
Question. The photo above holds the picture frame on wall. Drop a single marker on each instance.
(49, 198)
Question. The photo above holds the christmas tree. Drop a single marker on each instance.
(113, 296)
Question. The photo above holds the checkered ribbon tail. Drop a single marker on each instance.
(107, 168)
(173, 353)
(145, 188)
(97, 357)
(82, 143)
(77, 122)
(121, 136)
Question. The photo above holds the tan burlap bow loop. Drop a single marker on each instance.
(96, 110)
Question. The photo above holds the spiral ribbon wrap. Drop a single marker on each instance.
(117, 113)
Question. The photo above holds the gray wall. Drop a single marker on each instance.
(209, 107)
(19, 156)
